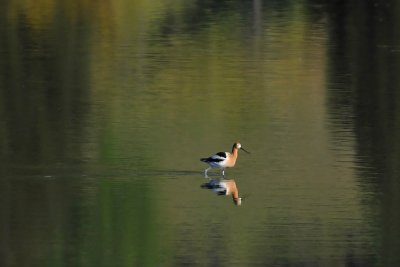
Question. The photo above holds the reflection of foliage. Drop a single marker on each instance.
(366, 70)
(44, 107)
(111, 82)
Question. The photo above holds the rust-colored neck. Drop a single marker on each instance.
(234, 150)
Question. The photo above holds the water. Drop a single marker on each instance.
(107, 107)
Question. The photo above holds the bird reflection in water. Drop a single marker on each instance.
(224, 187)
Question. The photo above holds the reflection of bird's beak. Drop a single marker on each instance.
(245, 196)
(245, 150)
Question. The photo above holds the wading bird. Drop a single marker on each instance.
(223, 160)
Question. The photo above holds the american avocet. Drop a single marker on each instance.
(223, 160)
(224, 187)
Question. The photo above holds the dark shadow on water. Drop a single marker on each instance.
(173, 174)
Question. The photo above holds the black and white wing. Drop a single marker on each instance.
(220, 156)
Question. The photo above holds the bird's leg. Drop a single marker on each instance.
(223, 173)
(205, 172)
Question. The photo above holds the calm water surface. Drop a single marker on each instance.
(106, 108)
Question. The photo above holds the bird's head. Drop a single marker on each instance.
(238, 146)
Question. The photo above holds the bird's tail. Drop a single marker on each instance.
(204, 159)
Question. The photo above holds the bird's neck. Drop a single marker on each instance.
(234, 152)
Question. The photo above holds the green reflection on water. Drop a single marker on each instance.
(106, 107)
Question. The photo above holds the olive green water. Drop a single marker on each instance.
(107, 106)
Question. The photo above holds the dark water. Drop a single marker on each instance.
(107, 106)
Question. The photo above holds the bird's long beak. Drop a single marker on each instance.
(245, 150)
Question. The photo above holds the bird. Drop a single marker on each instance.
(224, 187)
(223, 160)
